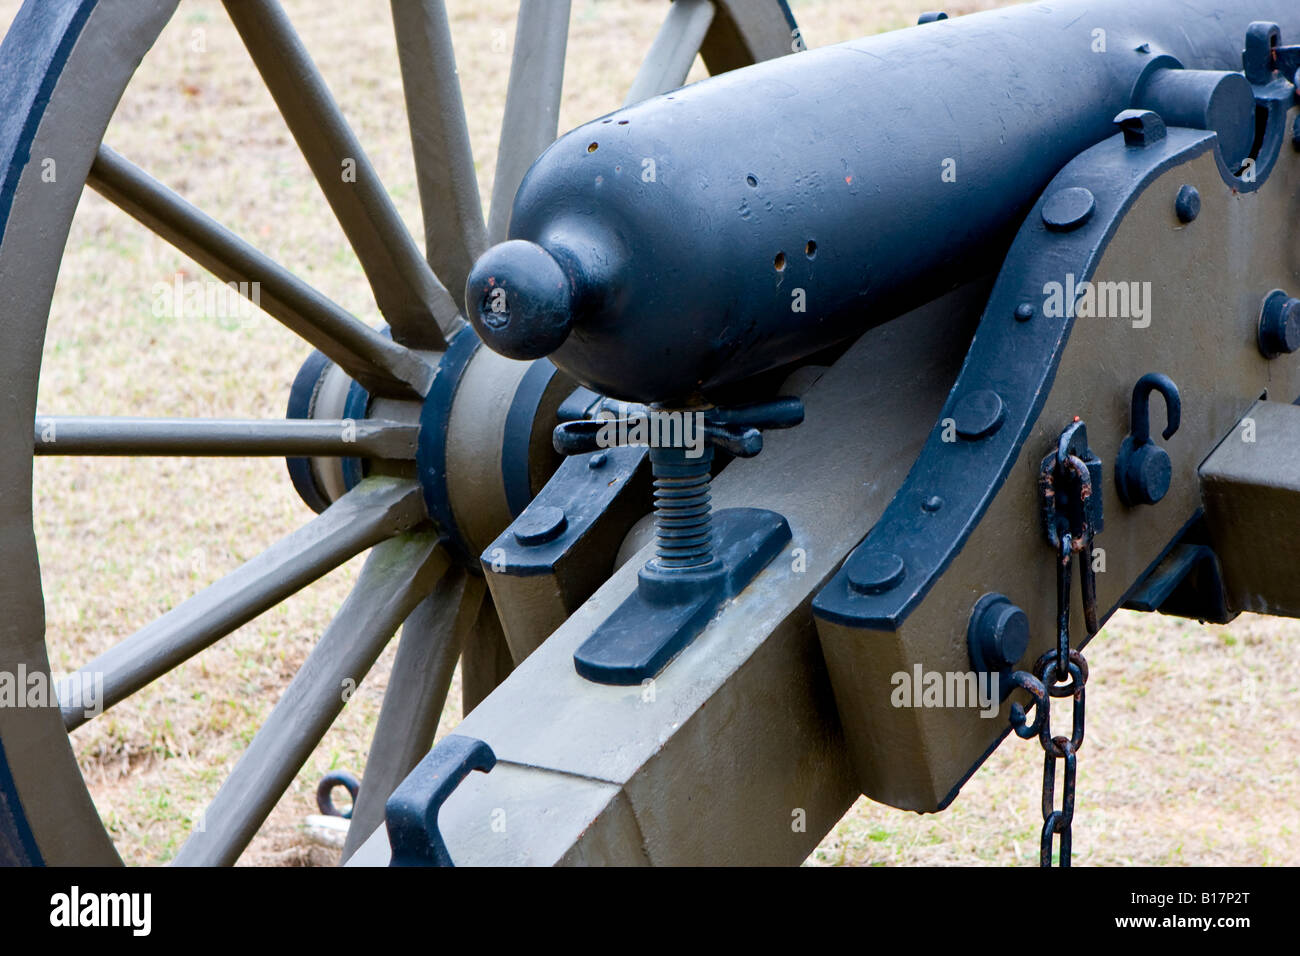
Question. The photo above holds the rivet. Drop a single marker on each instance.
(1069, 208)
(597, 460)
(875, 572)
(932, 504)
(978, 414)
(1024, 312)
(1188, 204)
(539, 525)
(1279, 325)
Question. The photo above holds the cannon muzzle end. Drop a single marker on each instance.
(520, 300)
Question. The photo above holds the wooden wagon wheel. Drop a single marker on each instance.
(423, 480)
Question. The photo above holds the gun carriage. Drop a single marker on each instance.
(876, 330)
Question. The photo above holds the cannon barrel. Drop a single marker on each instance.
(685, 244)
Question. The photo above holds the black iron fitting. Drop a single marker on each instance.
(1070, 503)
(681, 458)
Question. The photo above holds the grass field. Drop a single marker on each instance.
(1193, 747)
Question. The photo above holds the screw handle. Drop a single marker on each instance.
(735, 429)
(578, 437)
(784, 412)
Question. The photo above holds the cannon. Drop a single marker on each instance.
(746, 453)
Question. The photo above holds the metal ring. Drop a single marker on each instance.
(325, 793)
(1078, 673)
(1079, 678)
(1061, 748)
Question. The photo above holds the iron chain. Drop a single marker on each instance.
(1061, 672)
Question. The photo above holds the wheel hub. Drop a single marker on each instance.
(506, 426)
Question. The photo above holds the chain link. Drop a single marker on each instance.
(1061, 672)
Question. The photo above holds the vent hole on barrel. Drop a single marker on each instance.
(752, 180)
(593, 147)
(779, 262)
(623, 122)
(810, 250)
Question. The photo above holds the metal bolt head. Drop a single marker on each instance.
(1024, 312)
(1279, 325)
(1068, 209)
(875, 572)
(539, 525)
(998, 635)
(1147, 475)
(1188, 204)
(978, 414)
(1008, 634)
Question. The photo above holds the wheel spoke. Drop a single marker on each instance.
(417, 690)
(380, 364)
(420, 310)
(674, 50)
(454, 232)
(745, 32)
(532, 112)
(396, 577)
(374, 510)
(367, 438)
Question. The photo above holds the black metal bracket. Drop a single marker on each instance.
(1014, 356)
(1188, 582)
(567, 509)
(668, 611)
(411, 813)
(1073, 441)
(1271, 69)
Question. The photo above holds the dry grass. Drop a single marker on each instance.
(1191, 753)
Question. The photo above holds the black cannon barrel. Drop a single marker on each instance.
(694, 240)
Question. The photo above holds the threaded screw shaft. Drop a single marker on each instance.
(683, 519)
